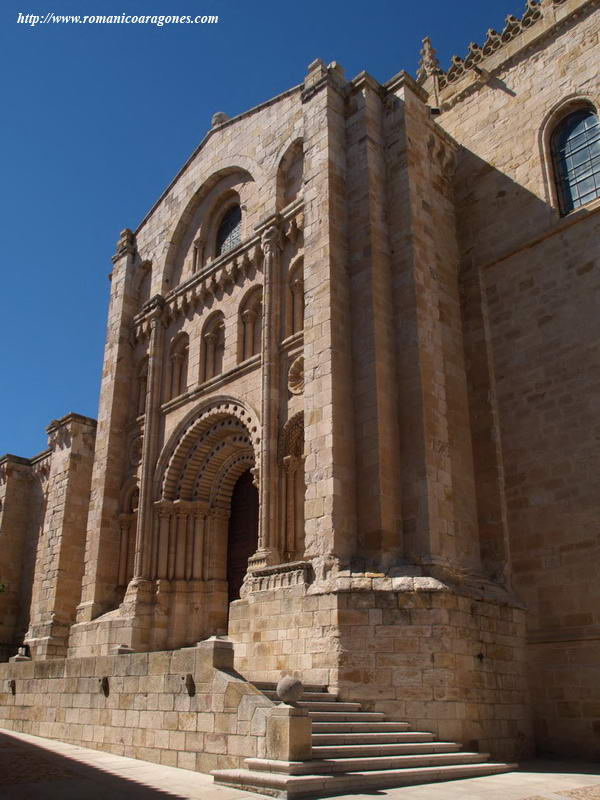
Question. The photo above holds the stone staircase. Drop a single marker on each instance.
(355, 750)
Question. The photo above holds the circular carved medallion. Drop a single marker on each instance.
(296, 376)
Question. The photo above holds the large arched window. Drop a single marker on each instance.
(576, 159)
(229, 232)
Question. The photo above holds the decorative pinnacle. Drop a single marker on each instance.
(429, 64)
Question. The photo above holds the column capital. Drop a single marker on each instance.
(291, 463)
(271, 239)
(249, 315)
(218, 513)
(153, 312)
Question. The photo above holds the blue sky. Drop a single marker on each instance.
(95, 120)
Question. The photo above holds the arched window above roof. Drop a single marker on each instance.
(576, 158)
(229, 232)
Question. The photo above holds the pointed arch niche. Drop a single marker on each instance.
(194, 547)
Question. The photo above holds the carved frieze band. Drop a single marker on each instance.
(294, 573)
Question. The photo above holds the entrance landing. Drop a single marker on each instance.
(58, 770)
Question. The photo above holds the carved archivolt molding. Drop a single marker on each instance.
(296, 376)
(221, 443)
(228, 423)
(225, 479)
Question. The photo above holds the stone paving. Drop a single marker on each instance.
(32, 768)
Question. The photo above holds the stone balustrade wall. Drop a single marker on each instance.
(184, 708)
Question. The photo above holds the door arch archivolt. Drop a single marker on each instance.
(195, 482)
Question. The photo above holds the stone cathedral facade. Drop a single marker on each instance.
(349, 415)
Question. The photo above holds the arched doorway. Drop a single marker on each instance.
(242, 537)
(205, 524)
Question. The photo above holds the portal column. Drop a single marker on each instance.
(143, 544)
(290, 465)
(267, 552)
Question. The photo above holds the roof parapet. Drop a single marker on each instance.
(494, 41)
(538, 17)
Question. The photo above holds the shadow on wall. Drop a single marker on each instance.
(29, 771)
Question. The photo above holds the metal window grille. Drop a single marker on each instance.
(229, 234)
(576, 155)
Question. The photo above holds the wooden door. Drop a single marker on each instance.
(242, 539)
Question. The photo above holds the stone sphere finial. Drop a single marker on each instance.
(290, 690)
(218, 118)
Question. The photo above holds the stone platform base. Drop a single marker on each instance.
(448, 659)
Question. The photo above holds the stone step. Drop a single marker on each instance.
(409, 748)
(307, 697)
(296, 786)
(324, 705)
(341, 716)
(376, 726)
(368, 764)
(366, 738)
(311, 688)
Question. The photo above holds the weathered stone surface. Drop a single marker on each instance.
(348, 419)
